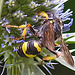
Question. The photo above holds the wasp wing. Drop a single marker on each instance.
(48, 35)
(65, 53)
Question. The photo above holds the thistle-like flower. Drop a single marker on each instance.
(33, 4)
(15, 16)
(19, 14)
(10, 3)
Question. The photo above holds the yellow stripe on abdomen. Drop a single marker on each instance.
(37, 47)
(24, 48)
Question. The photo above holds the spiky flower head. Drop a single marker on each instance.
(19, 12)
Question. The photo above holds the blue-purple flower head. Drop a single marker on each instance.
(58, 11)
(65, 16)
(33, 4)
(10, 3)
(4, 21)
(9, 40)
(19, 14)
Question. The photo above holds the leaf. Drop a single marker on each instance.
(66, 35)
(69, 38)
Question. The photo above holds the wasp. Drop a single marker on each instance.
(49, 32)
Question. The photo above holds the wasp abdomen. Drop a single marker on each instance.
(29, 49)
(20, 51)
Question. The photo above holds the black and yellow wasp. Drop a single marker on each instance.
(49, 32)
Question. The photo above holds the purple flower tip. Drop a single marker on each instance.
(7, 30)
(67, 35)
(19, 41)
(15, 49)
(6, 2)
(12, 36)
(2, 45)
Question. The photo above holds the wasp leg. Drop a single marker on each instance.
(43, 14)
(50, 58)
(24, 31)
(47, 58)
(56, 44)
(21, 26)
(31, 29)
(23, 35)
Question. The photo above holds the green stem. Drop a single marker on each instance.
(1, 4)
(13, 70)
